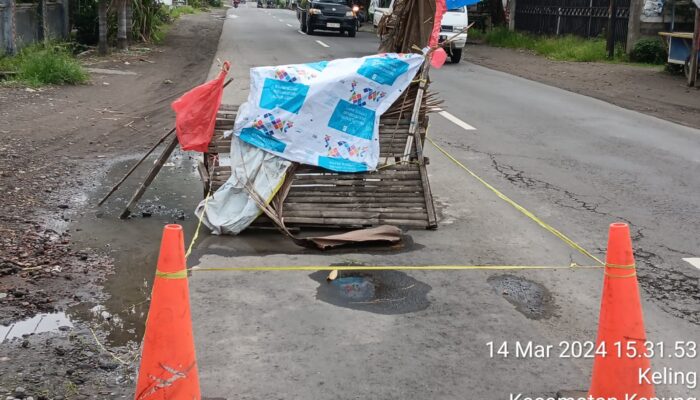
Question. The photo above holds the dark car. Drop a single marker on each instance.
(327, 15)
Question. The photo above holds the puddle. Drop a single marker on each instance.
(40, 323)
(379, 292)
(530, 298)
(134, 243)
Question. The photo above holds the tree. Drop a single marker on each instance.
(102, 17)
(122, 42)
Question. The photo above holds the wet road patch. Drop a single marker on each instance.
(379, 292)
(530, 298)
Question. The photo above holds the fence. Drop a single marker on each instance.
(26, 23)
(587, 18)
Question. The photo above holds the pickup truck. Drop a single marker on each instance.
(327, 15)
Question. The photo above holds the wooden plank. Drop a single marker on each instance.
(377, 207)
(149, 178)
(358, 199)
(357, 189)
(351, 214)
(344, 183)
(229, 107)
(353, 221)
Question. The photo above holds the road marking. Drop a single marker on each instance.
(322, 44)
(695, 262)
(290, 25)
(301, 32)
(457, 121)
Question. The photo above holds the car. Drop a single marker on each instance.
(380, 8)
(327, 15)
(454, 21)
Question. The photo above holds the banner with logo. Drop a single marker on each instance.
(324, 113)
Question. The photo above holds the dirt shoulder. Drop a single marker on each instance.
(649, 90)
(56, 144)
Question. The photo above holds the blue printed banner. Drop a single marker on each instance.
(318, 65)
(353, 120)
(341, 165)
(324, 113)
(262, 140)
(383, 70)
(288, 96)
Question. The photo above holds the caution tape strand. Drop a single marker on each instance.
(518, 207)
(391, 267)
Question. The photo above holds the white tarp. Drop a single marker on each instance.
(231, 209)
(324, 113)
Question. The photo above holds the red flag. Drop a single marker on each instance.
(440, 9)
(439, 56)
(195, 113)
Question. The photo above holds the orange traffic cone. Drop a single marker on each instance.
(168, 365)
(621, 327)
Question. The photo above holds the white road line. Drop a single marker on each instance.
(322, 44)
(301, 32)
(290, 25)
(457, 121)
(695, 262)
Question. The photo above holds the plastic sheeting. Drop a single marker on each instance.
(230, 210)
(324, 113)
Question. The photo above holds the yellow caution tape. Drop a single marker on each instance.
(518, 207)
(389, 267)
(182, 274)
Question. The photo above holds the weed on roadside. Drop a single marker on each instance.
(44, 64)
(560, 48)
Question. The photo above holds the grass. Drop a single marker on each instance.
(44, 64)
(561, 48)
(176, 12)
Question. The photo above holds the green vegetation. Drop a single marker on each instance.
(44, 64)
(562, 48)
(648, 50)
(476, 34)
(176, 12)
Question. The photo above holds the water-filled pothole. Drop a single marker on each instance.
(380, 292)
(530, 298)
(40, 323)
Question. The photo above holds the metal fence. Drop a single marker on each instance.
(26, 23)
(586, 18)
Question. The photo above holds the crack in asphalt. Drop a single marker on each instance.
(671, 289)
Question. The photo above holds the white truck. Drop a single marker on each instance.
(454, 20)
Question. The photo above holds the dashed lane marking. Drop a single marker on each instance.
(695, 262)
(457, 121)
(289, 25)
(301, 32)
(322, 44)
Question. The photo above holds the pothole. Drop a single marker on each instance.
(380, 292)
(530, 298)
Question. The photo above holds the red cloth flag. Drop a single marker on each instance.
(195, 113)
(438, 56)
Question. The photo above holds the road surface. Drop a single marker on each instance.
(576, 162)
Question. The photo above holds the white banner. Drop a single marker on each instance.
(324, 113)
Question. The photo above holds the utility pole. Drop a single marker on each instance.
(511, 15)
(633, 23)
(693, 76)
(610, 46)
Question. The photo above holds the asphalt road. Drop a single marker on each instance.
(576, 162)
